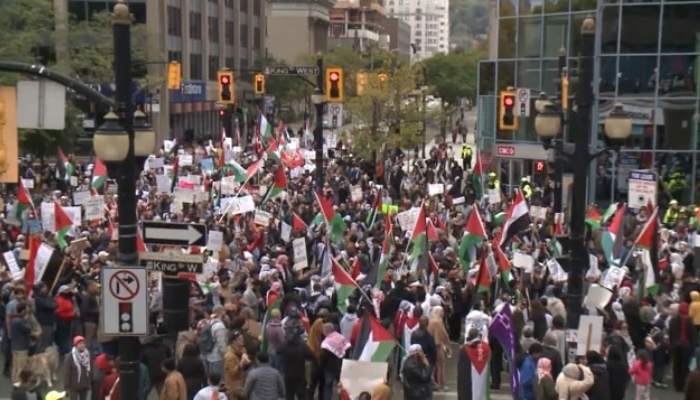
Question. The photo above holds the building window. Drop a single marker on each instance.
(195, 25)
(256, 38)
(244, 35)
(213, 29)
(228, 3)
(175, 56)
(213, 67)
(244, 6)
(257, 7)
(229, 33)
(244, 69)
(174, 21)
(228, 62)
(196, 67)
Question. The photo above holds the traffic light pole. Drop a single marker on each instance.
(318, 132)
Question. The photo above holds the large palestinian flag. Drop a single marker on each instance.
(517, 219)
(379, 344)
(612, 239)
(473, 372)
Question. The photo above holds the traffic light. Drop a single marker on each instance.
(174, 75)
(383, 79)
(540, 167)
(507, 120)
(227, 88)
(361, 83)
(259, 84)
(222, 114)
(334, 85)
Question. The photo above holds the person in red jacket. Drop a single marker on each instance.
(65, 312)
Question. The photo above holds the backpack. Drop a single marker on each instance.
(205, 340)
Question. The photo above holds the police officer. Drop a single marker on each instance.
(672, 214)
(525, 187)
(493, 182)
(466, 157)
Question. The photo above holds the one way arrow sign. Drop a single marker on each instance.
(174, 234)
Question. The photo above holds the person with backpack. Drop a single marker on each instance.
(212, 341)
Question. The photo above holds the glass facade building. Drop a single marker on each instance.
(646, 58)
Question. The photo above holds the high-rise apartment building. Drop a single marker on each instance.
(430, 24)
(297, 27)
(204, 36)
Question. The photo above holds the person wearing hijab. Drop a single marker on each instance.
(601, 379)
(569, 386)
(76, 370)
(617, 370)
(544, 383)
(683, 341)
(418, 375)
(472, 367)
(436, 327)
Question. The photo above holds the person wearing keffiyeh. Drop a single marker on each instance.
(76, 370)
(333, 349)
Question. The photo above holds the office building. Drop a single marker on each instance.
(399, 33)
(297, 28)
(646, 58)
(358, 24)
(430, 24)
(204, 36)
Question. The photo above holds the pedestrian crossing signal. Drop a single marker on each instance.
(126, 318)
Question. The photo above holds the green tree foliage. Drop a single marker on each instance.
(42, 143)
(453, 76)
(388, 116)
(91, 49)
(469, 19)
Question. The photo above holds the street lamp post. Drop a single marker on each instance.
(318, 98)
(121, 148)
(548, 124)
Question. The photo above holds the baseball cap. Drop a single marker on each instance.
(55, 395)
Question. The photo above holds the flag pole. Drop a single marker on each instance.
(58, 275)
(229, 204)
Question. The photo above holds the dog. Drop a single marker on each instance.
(45, 366)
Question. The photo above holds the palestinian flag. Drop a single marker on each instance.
(555, 248)
(344, 285)
(273, 152)
(517, 219)
(376, 209)
(483, 276)
(265, 128)
(593, 217)
(335, 225)
(474, 234)
(419, 242)
(612, 239)
(24, 202)
(254, 168)
(473, 371)
(298, 223)
(379, 344)
(387, 249)
(99, 175)
(268, 315)
(503, 261)
(62, 224)
(279, 186)
(648, 240)
(609, 212)
(477, 174)
(232, 167)
(409, 327)
(30, 275)
(431, 232)
(498, 218)
(64, 166)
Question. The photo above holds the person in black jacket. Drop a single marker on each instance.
(422, 337)
(295, 353)
(417, 375)
(192, 369)
(90, 314)
(44, 307)
(550, 351)
(617, 371)
(601, 379)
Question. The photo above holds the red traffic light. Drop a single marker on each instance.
(259, 78)
(508, 101)
(382, 78)
(539, 166)
(225, 80)
(334, 76)
(222, 113)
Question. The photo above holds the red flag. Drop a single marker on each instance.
(298, 223)
(355, 268)
(432, 232)
(29, 273)
(140, 244)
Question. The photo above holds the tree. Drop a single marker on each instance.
(91, 49)
(41, 143)
(388, 115)
(285, 88)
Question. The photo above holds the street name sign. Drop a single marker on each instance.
(124, 301)
(172, 263)
(173, 234)
(291, 71)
